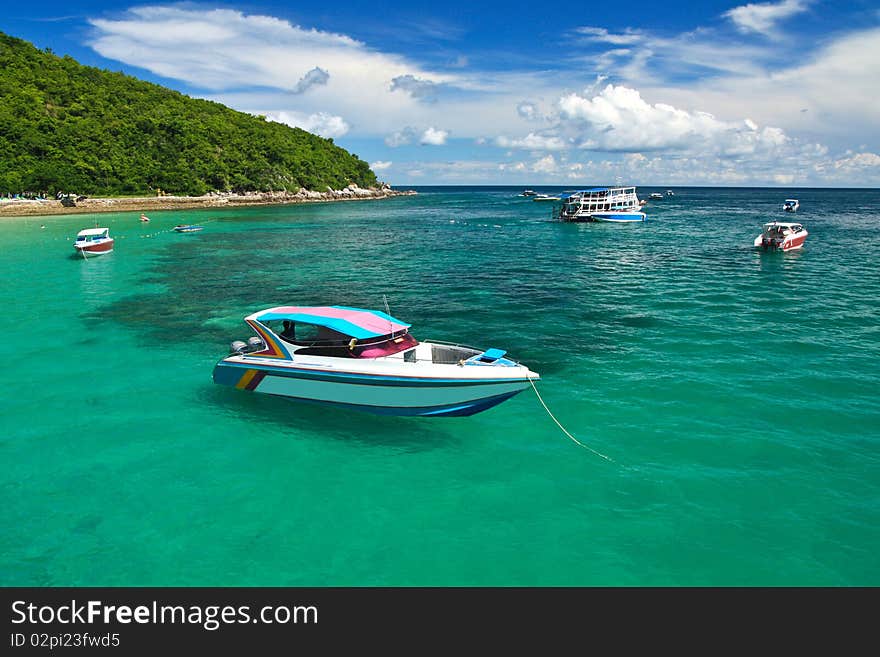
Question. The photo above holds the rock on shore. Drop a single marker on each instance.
(22, 207)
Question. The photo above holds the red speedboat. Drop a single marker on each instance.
(782, 236)
(93, 241)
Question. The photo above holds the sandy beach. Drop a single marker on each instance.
(23, 207)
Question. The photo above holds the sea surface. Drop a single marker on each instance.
(736, 394)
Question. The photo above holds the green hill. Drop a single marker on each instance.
(69, 127)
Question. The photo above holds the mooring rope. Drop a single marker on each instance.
(564, 430)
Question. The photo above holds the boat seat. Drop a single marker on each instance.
(491, 355)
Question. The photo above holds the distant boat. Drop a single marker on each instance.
(782, 236)
(529, 192)
(93, 241)
(188, 228)
(669, 192)
(366, 360)
(656, 195)
(607, 204)
(791, 205)
(144, 218)
(546, 197)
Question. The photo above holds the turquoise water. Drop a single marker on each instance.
(736, 392)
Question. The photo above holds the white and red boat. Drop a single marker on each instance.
(93, 241)
(782, 236)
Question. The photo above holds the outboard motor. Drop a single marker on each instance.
(238, 347)
(255, 343)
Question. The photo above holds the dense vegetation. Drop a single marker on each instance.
(69, 127)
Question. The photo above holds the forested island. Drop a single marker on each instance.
(65, 127)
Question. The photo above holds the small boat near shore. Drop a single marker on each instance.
(188, 228)
(605, 204)
(781, 236)
(366, 360)
(93, 241)
(144, 218)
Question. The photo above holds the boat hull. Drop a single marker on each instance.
(788, 244)
(618, 217)
(95, 249)
(373, 393)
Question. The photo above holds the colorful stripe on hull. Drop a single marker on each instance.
(229, 373)
(274, 347)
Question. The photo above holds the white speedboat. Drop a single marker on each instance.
(546, 197)
(93, 241)
(656, 195)
(791, 205)
(781, 236)
(609, 204)
(366, 360)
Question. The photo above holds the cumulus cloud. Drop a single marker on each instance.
(546, 164)
(321, 123)
(415, 87)
(619, 119)
(380, 165)
(314, 78)
(762, 17)
(433, 137)
(858, 161)
(533, 142)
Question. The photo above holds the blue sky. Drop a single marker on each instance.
(779, 93)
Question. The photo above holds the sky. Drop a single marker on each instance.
(779, 94)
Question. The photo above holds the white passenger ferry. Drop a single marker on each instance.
(611, 204)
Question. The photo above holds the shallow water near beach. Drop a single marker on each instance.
(735, 392)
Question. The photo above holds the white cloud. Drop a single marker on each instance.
(619, 119)
(433, 137)
(858, 161)
(546, 164)
(629, 35)
(762, 17)
(380, 165)
(832, 83)
(532, 141)
(322, 124)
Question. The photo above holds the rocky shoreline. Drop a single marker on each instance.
(22, 207)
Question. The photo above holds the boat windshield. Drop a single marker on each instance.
(317, 340)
